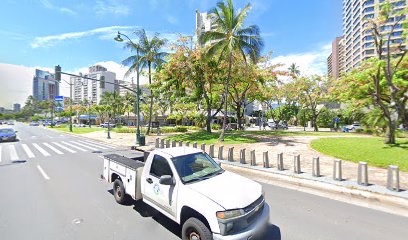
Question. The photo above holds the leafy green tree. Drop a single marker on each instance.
(152, 57)
(382, 80)
(313, 91)
(191, 76)
(229, 36)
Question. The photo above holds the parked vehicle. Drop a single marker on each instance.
(34, 123)
(10, 123)
(354, 126)
(8, 134)
(105, 125)
(189, 187)
(78, 125)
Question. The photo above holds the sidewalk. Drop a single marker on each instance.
(289, 146)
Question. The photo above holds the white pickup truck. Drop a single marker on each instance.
(189, 187)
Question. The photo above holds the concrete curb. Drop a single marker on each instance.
(382, 202)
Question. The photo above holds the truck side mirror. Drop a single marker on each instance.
(166, 180)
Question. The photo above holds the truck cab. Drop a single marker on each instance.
(189, 187)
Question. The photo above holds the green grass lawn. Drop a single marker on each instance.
(212, 138)
(79, 130)
(370, 150)
(291, 133)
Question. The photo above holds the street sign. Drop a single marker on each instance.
(59, 103)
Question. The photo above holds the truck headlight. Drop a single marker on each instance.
(230, 214)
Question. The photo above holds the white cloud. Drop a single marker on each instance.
(313, 62)
(51, 40)
(47, 4)
(111, 7)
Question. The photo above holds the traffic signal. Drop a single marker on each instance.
(58, 73)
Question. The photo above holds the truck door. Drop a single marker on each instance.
(163, 196)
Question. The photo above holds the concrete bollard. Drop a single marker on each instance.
(180, 143)
(337, 171)
(167, 143)
(187, 144)
(173, 143)
(253, 159)
(265, 159)
(362, 174)
(220, 150)
(231, 154)
(195, 145)
(296, 164)
(162, 143)
(316, 167)
(212, 150)
(203, 147)
(279, 162)
(393, 178)
(242, 156)
(157, 143)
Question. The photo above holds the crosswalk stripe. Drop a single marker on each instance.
(92, 144)
(63, 147)
(69, 144)
(0, 152)
(28, 151)
(42, 151)
(100, 144)
(53, 148)
(13, 153)
(83, 145)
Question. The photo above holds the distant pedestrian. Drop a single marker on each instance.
(264, 125)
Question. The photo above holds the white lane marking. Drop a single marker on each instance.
(92, 144)
(13, 153)
(53, 148)
(82, 145)
(49, 136)
(0, 152)
(69, 144)
(28, 151)
(43, 173)
(45, 153)
(101, 144)
(65, 148)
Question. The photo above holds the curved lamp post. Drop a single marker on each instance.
(118, 38)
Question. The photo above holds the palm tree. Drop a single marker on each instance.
(150, 57)
(294, 70)
(230, 36)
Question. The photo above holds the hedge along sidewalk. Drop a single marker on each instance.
(291, 145)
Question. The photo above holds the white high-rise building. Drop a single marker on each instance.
(204, 23)
(358, 41)
(91, 90)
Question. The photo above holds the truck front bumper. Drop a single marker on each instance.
(253, 231)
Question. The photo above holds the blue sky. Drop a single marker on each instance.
(77, 33)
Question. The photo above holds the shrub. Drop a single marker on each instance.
(215, 126)
(181, 129)
(194, 128)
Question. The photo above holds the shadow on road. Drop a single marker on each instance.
(147, 211)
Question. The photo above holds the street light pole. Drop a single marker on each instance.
(70, 104)
(119, 39)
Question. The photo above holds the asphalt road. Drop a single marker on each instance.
(50, 189)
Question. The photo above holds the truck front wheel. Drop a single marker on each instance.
(119, 191)
(194, 229)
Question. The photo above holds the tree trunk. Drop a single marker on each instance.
(151, 99)
(209, 118)
(239, 116)
(224, 124)
(390, 134)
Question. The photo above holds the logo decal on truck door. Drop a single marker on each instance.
(156, 189)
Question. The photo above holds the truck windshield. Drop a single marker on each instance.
(196, 167)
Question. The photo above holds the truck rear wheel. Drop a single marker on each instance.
(194, 229)
(119, 191)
